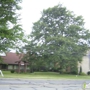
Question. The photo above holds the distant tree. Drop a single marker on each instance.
(11, 33)
(59, 37)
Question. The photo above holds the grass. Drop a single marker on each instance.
(42, 75)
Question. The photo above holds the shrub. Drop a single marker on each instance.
(62, 71)
(82, 73)
(74, 72)
(88, 73)
(12, 71)
(73, 68)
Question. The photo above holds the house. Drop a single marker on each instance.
(85, 64)
(13, 61)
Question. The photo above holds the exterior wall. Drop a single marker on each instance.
(15, 66)
(11, 67)
(85, 64)
(3, 66)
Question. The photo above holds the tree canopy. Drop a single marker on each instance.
(11, 32)
(59, 38)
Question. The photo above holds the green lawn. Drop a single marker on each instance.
(42, 75)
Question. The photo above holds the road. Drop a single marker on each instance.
(32, 84)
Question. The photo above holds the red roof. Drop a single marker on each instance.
(12, 58)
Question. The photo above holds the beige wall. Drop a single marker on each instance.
(85, 63)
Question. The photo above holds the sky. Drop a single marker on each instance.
(31, 10)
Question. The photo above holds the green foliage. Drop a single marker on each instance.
(80, 70)
(88, 73)
(74, 69)
(58, 39)
(11, 33)
(12, 71)
(82, 73)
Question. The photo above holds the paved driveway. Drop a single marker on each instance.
(30, 84)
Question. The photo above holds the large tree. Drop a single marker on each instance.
(59, 37)
(11, 32)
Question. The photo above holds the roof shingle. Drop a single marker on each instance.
(12, 58)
